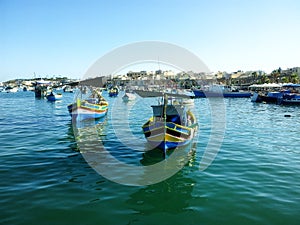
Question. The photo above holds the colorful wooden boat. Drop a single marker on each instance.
(113, 92)
(91, 108)
(170, 126)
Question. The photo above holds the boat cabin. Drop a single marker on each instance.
(174, 113)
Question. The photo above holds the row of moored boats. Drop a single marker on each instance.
(286, 94)
(173, 124)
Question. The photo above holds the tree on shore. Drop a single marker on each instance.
(294, 78)
(264, 79)
(275, 75)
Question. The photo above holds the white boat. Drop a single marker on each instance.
(11, 90)
(67, 88)
(184, 101)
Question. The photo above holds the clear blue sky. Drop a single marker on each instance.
(64, 37)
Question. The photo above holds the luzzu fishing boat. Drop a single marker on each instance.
(113, 92)
(170, 126)
(94, 107)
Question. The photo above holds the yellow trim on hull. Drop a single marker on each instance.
(167, 137)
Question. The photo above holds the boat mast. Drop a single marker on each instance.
(165, 99)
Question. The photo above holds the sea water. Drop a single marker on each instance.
(253, 179)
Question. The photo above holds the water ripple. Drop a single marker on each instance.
(254, 179)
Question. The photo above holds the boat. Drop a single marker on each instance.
(40, 88)
(291, 95)
(266, 93)
(150, 94)
(11, 89)
(171, 126)
(266, 97)
(290, 99)
(68, 89)
(94, 107)
(52, 96)
(281, 94)
(185, 101)
(113, 92)
(128, 96)
(221, 91)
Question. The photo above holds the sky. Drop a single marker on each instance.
(44, 38)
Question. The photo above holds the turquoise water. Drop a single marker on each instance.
(254, 179)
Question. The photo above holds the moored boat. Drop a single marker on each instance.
(53, 96)
(185, 101)
(67, 88)
(170, 126)
(281, 94)
(40, 88)
(291, 95)
(221, 91)
(266, 97)
(11, 89)
(266, 93)
(128, 96)
(94, 107)
(290, 99)
(113, 92)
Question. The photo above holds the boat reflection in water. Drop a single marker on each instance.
(184, 155)
(159, 198)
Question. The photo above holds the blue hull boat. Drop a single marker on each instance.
(54, 97)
